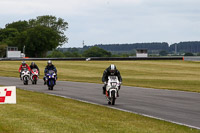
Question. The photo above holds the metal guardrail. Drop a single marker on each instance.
(191, 58)
(40, 59)
(137, 58)
(94, 59)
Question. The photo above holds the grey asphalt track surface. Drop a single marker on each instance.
(173, 106)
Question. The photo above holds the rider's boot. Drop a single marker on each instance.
(45, 82)
(118, 91)
(104, 90)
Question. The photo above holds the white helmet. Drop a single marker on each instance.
(112, 69)
(23, 63)
(49, 62)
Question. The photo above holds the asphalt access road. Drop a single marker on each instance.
(174, 106)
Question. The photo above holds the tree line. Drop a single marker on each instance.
(37, 36)
(75, 52)
(154, 47)
(127, 47)
(126, 50)
(186, 47)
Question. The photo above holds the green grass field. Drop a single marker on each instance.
(176, 75)
(42, 113)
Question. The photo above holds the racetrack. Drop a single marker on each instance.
(174, 106)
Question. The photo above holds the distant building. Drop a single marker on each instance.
(12, 52)
(141, 53)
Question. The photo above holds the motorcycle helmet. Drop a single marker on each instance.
(32, 63)
(23, 63)
(49, 62)
(112, 69)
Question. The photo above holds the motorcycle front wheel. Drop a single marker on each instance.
(35, 81)
(51, 84)
(113, 97)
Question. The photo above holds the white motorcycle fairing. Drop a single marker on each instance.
(112, 89)
(25, 76)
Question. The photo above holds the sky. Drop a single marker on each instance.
(113, 21)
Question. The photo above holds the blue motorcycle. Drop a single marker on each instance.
(51, 79)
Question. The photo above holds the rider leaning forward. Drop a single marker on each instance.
(110, 71)
(49, 66)
(34, 66)
(22, 67)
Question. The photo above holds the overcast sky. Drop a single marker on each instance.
(113, 21)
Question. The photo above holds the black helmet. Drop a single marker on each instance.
(32, 63)
(23, 63)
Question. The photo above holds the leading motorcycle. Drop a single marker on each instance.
(112, 89)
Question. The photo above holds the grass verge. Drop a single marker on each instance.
(41, 113)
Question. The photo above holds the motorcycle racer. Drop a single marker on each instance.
(22, 67)
(110, 71)
(34, 66)
(49, 66)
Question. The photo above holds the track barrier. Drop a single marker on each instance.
(94, 59)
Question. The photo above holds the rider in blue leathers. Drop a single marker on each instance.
(49, 66)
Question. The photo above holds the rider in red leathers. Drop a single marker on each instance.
(22, 67)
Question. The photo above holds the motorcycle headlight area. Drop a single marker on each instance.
(113, 84)
(54, 75)
(49, 76)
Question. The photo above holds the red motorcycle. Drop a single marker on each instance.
(34, 76)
